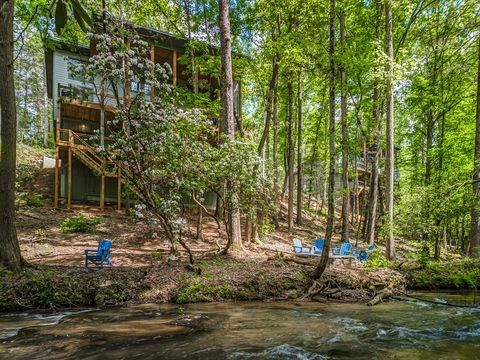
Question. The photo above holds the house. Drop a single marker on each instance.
(81, 174)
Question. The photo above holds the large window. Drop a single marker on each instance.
(71, 74)
(75, 92)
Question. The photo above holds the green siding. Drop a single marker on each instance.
(86, 186)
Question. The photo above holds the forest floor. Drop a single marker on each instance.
(267, 269)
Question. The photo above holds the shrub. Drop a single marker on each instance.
(80, 224)
(157, 255)
(376, 259)
(424, 256)
(25, 174)
(32, 200)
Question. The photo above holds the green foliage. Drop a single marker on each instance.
(43, 290)
(377, 259)
(424, 256)
(464, 274)
(197, 291)
(157, 255)
(25, 174)
(266, 228)
(32, 200)
(80, 224)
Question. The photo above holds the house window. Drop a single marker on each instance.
(75, 92)
(71, 74)
(139, 87)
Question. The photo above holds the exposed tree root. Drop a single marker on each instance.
(352, 285)
(380, 296)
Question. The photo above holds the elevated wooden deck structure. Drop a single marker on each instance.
(76, 146)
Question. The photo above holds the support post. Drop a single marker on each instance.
(69, 184)
(58, 120)
(174, 68)
(55, 191)
(57, 155)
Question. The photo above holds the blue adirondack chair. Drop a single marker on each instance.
(344, 249)
(318, 246)
(102, 254)
(362, 255)
(298, 248)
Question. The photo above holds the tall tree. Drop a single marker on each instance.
(290, 156)
(475, 232)
(374, 149)
(269, 105)
(322, 265)
(390, 161)
(10, 256)
(227, 119)
(343, 115)
(299, 152)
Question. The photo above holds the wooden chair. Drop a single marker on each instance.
(102, 254)
(318, 246)
(298, 248)
(343, 250)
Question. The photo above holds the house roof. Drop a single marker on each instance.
(156, 37)
(153, 36)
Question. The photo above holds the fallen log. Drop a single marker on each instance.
(380, 296)
(300, 261)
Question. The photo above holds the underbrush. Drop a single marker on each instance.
(80, 224)
(31, 200)
(463, 274)
(377, 259)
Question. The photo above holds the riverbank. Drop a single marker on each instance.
(55, 276)
(452, 275)
(217, 279)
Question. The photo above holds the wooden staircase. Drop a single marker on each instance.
(88, 155)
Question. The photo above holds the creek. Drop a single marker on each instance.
(250, 330)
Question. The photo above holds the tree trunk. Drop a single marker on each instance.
(10, 256)
(227, 122)
(343, 115)
(186, 4)
(299, 154)
(322, 265)
(200, 223)
(46, 107)
(373, 193)
(268, 106)
(475, 232)
(389, 163)
(275, 150)
(290, 158)
(275, 138)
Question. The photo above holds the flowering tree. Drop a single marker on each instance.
(167, 153)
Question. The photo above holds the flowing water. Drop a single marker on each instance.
(249, 330)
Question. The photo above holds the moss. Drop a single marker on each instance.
(196, 290)
(463, 274)
(51, 287)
